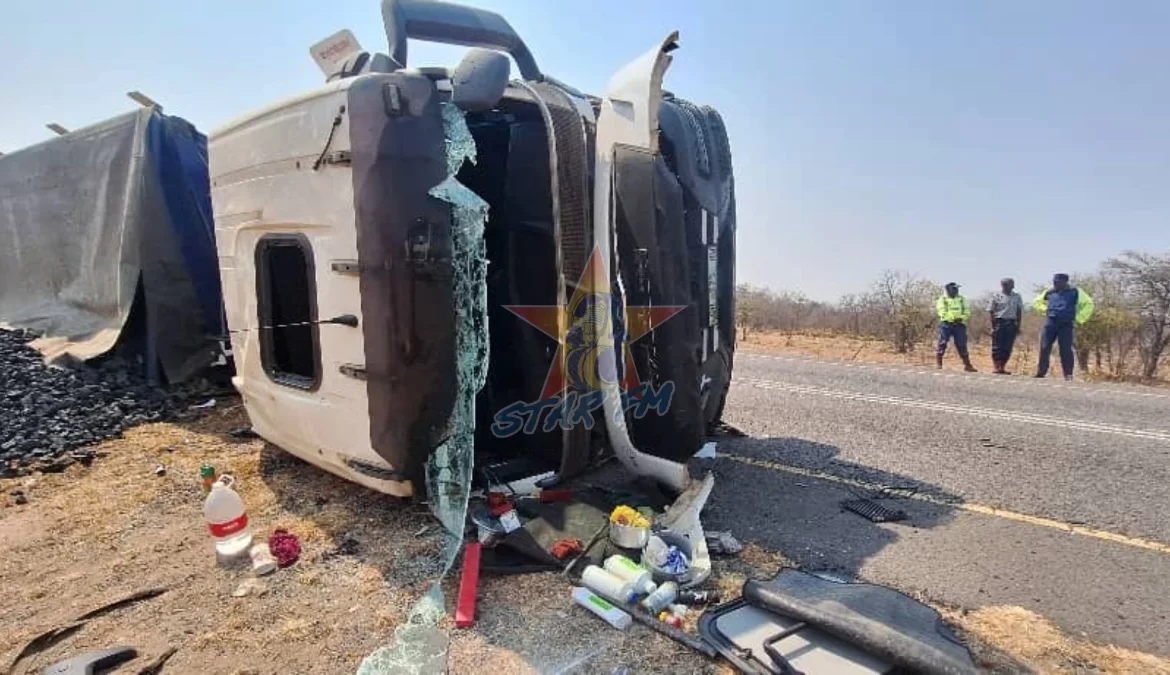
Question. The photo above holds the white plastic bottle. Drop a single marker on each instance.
(226, 518)
(630, 571)
(608, 585)
(602, 608)
(661, 598)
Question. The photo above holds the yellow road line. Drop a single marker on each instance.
(1103, 535)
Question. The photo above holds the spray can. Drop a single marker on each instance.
(630, 571)
(608, 585)
(661, 598)
(601, 607)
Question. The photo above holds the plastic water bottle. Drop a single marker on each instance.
(661, 598)
(602, 608)
(630, 571)
(226, 518)
(608, 585)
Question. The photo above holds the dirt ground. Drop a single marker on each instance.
(94, 535)
(849, 348)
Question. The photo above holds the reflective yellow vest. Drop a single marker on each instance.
(953, 309)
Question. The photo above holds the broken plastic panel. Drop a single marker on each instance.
(418, 646)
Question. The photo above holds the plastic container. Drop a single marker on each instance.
(226, 518)
(661, 598)
(669, 538)
(630, 571)
(593, 602)
(608, 585)
(628, 536)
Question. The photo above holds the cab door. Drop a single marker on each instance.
(405, 266)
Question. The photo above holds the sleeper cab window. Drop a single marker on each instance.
(286, 300)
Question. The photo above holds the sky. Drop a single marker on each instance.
(959, 141)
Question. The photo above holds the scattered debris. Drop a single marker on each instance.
(160, 470)
(18, 497)
(243, 432)
(285, 546)
(608, 585)
(602, 608)
(510, 521)
(468, 585)
(631, 572)
(592, 542)
(723, 543)
(51, 637)
(548, 496)
(625, 515)
(346, 544)
(662, 597)
(208, 477)
(567, 547)
(873, 511)
(707, 451)
(250, 586)
(93, 662)
(262, 560)
(708, 597)
(665, 555)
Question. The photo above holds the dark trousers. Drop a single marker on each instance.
(1060, 332)
(956, 331)
(1003, 339)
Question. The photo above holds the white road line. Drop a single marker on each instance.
(991, 413)
(1082, 530)
(911, 370)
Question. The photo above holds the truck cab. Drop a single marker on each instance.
(424, 264)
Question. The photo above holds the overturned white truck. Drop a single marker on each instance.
(419, 261)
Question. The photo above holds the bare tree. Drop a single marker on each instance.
(907, 303)
(1147, 280)
(853, 307)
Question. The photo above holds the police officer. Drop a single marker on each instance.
(1065, 306)
(1006, 310)
(953, 314)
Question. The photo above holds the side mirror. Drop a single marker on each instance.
(479, 81)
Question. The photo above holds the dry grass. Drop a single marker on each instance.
(1038, 644)
(864, 350)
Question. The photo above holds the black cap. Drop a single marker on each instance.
(950, 284)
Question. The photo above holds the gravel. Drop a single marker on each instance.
(48, 415)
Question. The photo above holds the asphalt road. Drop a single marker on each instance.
(1038, 493)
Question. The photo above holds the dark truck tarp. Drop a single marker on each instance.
(89, 218)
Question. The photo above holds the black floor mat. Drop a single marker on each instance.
(880, 620)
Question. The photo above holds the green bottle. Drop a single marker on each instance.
(207, 473)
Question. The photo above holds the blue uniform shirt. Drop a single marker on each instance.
(1062, 305)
